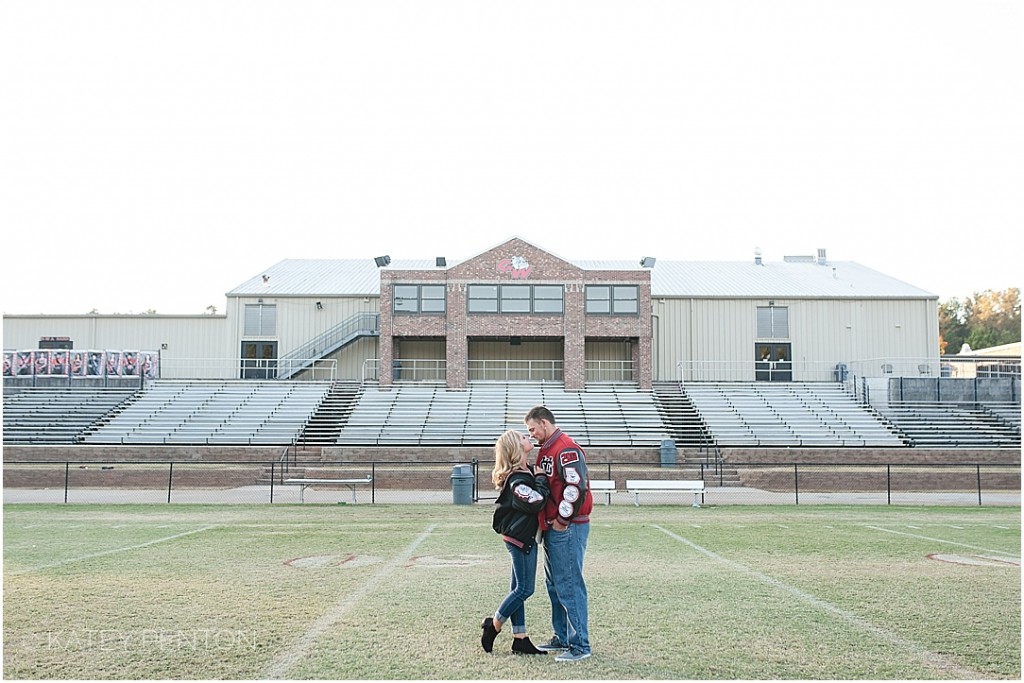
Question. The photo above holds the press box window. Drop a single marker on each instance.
(482, 298)
(260, 320)
(772, 322)
(613, 300)
(418, 298)
(515, 299)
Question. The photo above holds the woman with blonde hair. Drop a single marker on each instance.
(521, 498)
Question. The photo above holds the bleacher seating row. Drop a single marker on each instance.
(951, 425)
(425, 414)
(213, 412)
(243, 412)
(58, 415)
(788, 414)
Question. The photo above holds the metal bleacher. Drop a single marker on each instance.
(783, 414)
(431, 414)
(51, 415)
(203, 412)
(957, 425)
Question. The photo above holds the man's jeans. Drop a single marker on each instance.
(563, 576)
(524, 577)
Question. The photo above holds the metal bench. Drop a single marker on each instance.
(306, 483)
(638, 486)
(605, 486)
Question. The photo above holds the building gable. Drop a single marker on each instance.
(514, 260)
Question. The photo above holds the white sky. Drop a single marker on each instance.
(154, 155)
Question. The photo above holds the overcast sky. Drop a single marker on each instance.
(154, 155)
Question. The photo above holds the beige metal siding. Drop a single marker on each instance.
(822, 332)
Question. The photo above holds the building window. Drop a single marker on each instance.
(772, 322)
(613, 300)
(482, 298)
(418, 298)
(260, 320)
(548, 299)
(516, 299)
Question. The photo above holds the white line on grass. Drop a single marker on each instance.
(941, 540)
(110, 552)
(930, 658)
(321, 625)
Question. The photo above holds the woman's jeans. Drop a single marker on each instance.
(524, 578)
(563, 576)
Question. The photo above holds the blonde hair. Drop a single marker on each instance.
(508, 453)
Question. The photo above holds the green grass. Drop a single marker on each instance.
(398, 592)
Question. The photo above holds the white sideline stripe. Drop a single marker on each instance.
(112, 551)
(942, 540)
(321, 625)
(933, 659)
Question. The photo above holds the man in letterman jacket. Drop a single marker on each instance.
(565, 523)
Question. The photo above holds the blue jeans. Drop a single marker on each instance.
(563, 576)
(524, 578)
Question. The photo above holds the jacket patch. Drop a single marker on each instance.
(524, 492)
(571, 476)
(569, 457)
(571, 493)
(565, 509)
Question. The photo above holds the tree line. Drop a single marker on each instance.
(989, 318)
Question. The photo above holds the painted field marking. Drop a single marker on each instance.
(302, 646)
(942, 540)
(931, 659)
(112, 551)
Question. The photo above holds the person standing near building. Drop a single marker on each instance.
(522, 496)
(565, 523)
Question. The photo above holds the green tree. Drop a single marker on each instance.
(989, 318)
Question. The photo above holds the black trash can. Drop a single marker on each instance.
(462, 485)
(668, 453)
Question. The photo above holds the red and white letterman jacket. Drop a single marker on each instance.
(565, 464)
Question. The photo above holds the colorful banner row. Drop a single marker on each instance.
(46, 363)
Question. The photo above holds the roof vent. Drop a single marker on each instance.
(821, 257)
(757, 256)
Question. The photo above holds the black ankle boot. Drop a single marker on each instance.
(523, 646)
(487, 639)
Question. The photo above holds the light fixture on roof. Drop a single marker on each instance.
(441, 262)
(647, 262)
(266, 279)
(382, 261)
(319, 306)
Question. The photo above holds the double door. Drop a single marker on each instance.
(773, 362)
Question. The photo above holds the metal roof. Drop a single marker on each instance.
(725, 279)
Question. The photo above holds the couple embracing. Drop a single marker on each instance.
(548, 501)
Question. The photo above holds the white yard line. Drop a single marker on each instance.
(931, 659)
(942, 540)
(302, 646)
(112, 551)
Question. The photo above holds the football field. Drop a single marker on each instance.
(398, 592)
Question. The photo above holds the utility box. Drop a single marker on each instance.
(462, 485)
(842, 372)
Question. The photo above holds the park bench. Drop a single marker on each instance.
(605, 486)
(306, 483)
(638, 486)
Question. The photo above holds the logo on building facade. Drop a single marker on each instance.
(518, 266)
